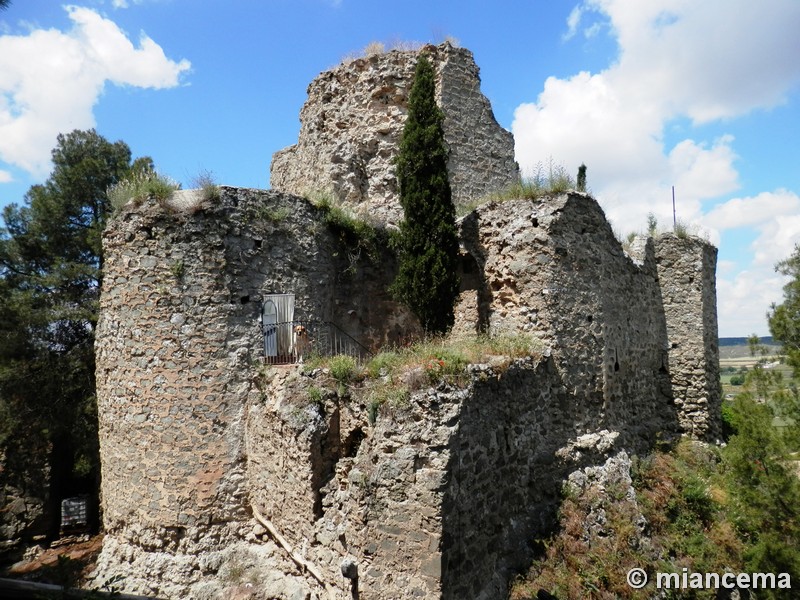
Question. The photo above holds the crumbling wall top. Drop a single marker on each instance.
(353, 119)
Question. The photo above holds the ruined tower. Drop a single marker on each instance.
(352, 122)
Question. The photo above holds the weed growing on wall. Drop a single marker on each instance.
(343, 368)
(204, 181)
(390, 377)
(355, 235)
(140, 186)
(544, 180)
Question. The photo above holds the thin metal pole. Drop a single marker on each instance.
(674, 216)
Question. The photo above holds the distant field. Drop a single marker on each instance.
(743, 351)
(738, 356)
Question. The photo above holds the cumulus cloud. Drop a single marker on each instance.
(745, 299)
(50, 80)
(677, 60)
(744, 294)
(755, 210)
(708, 60)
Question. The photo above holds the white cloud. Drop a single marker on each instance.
(704, 173)
(754, 211)
(745, 295)
(50, 81)
(711, 59)
(6, 177)
(677, 59)
(573, 21)
(743, 301)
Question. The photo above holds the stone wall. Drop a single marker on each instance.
(687, 273)
(179, 343)
(353, 119)
(629, 333)
(552, 267)
(435, 495)
(26, 508)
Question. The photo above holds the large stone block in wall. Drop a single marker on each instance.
(353, 119)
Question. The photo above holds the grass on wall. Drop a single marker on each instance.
(390, 376)
(546, 179)
(141, 186)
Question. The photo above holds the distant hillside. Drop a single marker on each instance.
(742, 341)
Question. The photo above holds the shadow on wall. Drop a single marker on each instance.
(507, 470)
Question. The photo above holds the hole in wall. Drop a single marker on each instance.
(244, 299)
(535, 222)
(674, 345)
(324, 461)
(352, 443)
(589, 318)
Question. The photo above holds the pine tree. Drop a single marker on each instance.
(784, 318)
(50, 276)
(428, 281)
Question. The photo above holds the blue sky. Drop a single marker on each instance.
(704, 96)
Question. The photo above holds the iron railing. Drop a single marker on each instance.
(291, 342)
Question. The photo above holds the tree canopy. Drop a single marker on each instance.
(784, 318)
(428, 280)
(50, 276)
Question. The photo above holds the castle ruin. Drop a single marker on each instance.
(223, 477)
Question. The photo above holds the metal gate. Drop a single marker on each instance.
(277, 314)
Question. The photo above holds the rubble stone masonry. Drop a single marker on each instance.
(435, 496)
(226, 477)
(353, 119)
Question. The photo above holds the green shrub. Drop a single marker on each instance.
(178, 268)
(383, 364)
(395, 397)
(273, 214)
(445, 364)
(652, 225)
(343, 368)
(315, 395)
(582, 178)
(355, 235)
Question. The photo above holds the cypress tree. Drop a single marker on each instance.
(428, 281)
(582, 178)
